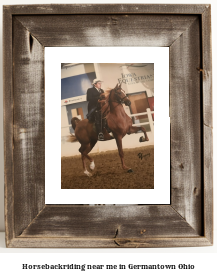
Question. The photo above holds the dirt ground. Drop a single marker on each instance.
(108, 173)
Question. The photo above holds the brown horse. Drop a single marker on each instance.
(118, 122)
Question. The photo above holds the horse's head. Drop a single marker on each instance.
(121, 96)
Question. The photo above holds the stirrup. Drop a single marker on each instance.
(100, 136)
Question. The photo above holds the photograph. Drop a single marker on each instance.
(107, 125)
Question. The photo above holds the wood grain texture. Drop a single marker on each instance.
(185, 113)
(106, 9)
(34, 242)
(29, 223)
(107, 30)
(207, 67)
(208, 183)
(8, 125)
(109, 222)
(207, 123)
(29, 136)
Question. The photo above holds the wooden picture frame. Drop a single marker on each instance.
(186, 30)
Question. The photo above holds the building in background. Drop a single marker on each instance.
(75, 80)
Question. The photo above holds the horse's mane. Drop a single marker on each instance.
(107, 92)
(105, 103)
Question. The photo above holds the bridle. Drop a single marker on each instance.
(120, 100)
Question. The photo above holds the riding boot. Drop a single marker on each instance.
(98, 124)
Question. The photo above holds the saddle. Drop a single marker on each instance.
(91, 116)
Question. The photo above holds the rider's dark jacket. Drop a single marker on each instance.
(92, 97)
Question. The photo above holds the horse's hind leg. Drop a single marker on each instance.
(92, 164)
(84, 166)
(85, 149)
(83, 156)
(135, 129)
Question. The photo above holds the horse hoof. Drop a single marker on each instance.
(130, 171)
(87, 173)
(141, 139)
(92, 165)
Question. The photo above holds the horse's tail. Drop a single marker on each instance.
(72, 138)
(74, 121)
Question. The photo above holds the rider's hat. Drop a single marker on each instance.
(96, 80)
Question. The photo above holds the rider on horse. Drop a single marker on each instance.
(93, 95)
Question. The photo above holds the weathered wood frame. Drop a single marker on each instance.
(186, 29)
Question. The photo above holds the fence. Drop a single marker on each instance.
(150, 120)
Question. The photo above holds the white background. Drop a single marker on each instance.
(53, 192)
(203, 257)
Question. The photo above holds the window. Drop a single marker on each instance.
(139, 104)
(77, 112)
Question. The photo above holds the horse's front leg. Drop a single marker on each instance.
(121, 153)
(135, 129)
